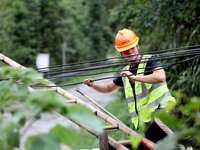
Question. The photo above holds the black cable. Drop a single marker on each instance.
(114, 64)
(107, 62)
(102, 72)
(95, 68)
(108, 59)
(111, 65)
(175, 55)
(178, 54)
(172, 64)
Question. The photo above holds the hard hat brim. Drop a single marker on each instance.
(121, 49)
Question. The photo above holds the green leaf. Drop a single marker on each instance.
(193, 131)
(84, 116)
(169, 120)
(168, 143)
(170, 105)
(48, 100)
(135, 141)
(19, 90)
(43, 142)
(67, 136)
(145, 115)
(78, 109)
(194, 105)
(14, 138)
(9, 137)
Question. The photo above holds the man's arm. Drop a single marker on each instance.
(101, 87)
(157, 76)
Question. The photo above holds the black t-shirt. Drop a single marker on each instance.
(152, 63)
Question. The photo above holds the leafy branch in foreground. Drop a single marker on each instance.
(185, 122)
(183, 119)
(19, 105)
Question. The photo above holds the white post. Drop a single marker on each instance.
(42, 62)
(64, 49)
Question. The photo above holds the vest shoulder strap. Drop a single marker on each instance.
(142, 64)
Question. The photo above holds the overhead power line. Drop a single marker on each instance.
(102, 66)
(94, 62)
(116, 64)
(163, 66)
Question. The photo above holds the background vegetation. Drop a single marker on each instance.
(88, 27)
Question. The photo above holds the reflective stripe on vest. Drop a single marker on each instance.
(147, 95)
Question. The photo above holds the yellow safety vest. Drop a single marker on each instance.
(149, 96)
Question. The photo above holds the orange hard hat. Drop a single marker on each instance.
(125, 39)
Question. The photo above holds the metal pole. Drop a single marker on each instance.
(64, 49)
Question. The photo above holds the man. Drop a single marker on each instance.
(144, 84)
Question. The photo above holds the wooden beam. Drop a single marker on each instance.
(111, 127)
(103, 140)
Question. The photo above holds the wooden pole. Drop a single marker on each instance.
(103, 140)
(96, 104)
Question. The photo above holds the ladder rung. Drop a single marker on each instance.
(41, 90)
(72, 101)
(125, 142)
(110, 127)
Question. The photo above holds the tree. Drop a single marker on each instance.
(31, 27)
(88, 34)
(177, 25)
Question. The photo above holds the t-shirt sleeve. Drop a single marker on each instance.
(118, 81)
(152, 64)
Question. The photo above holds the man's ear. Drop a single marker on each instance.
(137, 46)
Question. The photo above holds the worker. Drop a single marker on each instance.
(144, 83)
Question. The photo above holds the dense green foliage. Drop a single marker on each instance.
(184, 121)
(28, 28)
(162, 25)
(31, 27)
(88, 35)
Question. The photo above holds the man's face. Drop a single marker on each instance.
(130, 54)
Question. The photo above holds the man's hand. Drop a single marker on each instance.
(125, 73)
(88, 82)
